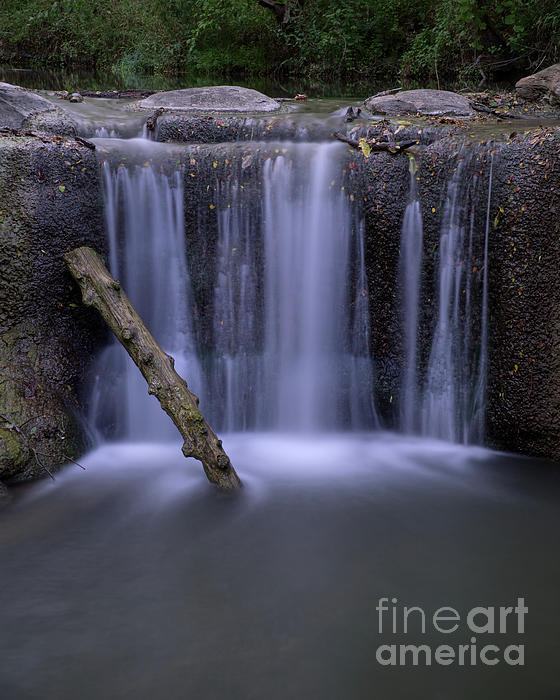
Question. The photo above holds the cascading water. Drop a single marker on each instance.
(289, 313)
(454, 385)
(236, 373)
(306, 366)
(290, 322)
(144, 219)
(477, 426)
(410, 267)
(309, 367)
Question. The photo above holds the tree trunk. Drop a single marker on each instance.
(104, 293)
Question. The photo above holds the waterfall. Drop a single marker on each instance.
(289, 318)
(479, 404)
(237, 368)
(144, 219)
(410, 267)
(310, 370)
(291, 313)
(455, 381)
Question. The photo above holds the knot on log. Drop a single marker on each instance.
(148, 358)
(128, 333)
(222, 461)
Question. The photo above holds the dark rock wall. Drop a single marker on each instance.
(524, 373)
(523, 401)
(49, 203)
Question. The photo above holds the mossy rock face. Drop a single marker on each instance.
(50, 203)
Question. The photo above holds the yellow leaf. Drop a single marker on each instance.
(365, 147)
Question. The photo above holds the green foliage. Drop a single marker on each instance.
(470, 39)
(419, 41)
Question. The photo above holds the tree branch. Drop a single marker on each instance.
(104, 293)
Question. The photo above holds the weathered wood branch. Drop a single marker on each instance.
(383, 93)
(85, 142)
(105, 294)
(151, 121)
(281, 8)
(117, 94)
(393, 147)
(486, 110)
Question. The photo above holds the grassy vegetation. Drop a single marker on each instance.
(454, 42)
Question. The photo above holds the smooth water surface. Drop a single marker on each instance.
(137, 579)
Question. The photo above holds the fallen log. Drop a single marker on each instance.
(393, 147)
(104, 293)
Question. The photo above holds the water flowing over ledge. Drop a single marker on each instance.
(289, 320)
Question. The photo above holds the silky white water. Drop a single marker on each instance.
(145, 226)
(290, 319)
(410, 268)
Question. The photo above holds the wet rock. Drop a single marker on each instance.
(50, 194)
(75, 97)
(17, 105)
(20, 108)
(523, 411)
(428, 102)
(222, 98)
(523, 398)
(544, 84)
(217, 129)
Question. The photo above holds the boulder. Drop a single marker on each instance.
(21, 108)
(545, 83)
(17, 105)
(429, 102)
(222, 98)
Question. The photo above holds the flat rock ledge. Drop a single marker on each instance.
(222, 98)
(426, 102)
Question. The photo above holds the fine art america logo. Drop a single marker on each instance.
(397, 619)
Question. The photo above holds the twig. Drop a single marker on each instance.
(385, 92)
(70, 459)
(393, 147)
(486, 110)
(85, 142)
(152, 120)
